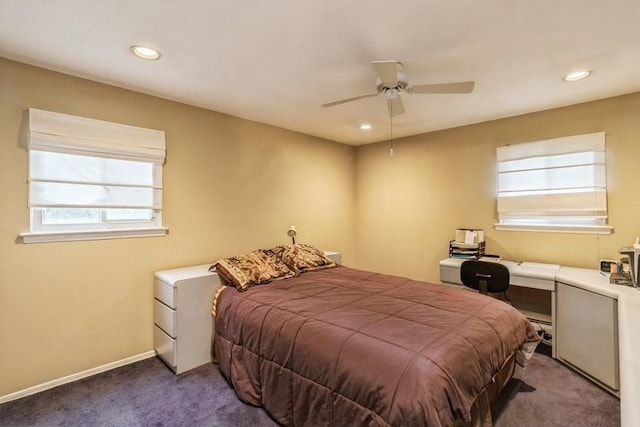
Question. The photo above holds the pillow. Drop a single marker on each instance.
(259, 266)
(301, 257)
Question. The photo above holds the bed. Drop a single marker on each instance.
(331, 345)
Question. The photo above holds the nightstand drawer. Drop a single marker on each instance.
(165, 318)
(165, 293)
(165, 346)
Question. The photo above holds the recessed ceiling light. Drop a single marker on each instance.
(145, 52)
(578, 75)
(366, 126)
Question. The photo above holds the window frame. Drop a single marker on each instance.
(572, 210)
(60, 133)
(38, 225)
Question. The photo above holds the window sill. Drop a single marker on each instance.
(72, 236)
(602, 230)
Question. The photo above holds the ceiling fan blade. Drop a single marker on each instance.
(387, 72)
(355, 98)
(394, 105)
(460, 87)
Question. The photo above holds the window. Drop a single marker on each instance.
(90, 179)
(554, 185)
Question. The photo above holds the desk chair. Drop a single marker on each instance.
(487, 277)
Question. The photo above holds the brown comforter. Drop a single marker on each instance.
(348, 347)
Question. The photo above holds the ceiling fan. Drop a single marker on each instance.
(391, 81)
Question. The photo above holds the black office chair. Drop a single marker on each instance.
(487, 277)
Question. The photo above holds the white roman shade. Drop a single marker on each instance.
(63, 133)
(81, 162)
(555, 184)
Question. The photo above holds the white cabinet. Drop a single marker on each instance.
(587, 333)
(335, 256)
(183, 324)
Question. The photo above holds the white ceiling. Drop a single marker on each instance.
(277, 61)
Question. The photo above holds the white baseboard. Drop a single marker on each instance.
(75, 377)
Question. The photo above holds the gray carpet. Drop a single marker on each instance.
(549, 394)
(147, 393)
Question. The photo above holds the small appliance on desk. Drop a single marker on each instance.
(631, 278)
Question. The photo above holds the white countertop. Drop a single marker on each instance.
(527, 274)
(532, 269)
(528, 269)
(177, 274)
(591, 280)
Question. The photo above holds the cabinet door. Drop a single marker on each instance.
(587, 333)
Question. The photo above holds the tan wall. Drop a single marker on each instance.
(230, 186)
(409, 205)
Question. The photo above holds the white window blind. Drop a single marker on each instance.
(554, 185)
(68, 180)
(81, 164)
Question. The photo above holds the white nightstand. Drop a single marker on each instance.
(183, 330)
(335, 256)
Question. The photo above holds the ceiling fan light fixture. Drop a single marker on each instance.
(366, 126)
(144, 52)
(576, 75)
(391, 82)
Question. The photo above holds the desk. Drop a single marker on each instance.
(540, 306)
(628, 317)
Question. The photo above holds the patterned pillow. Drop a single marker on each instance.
(259, 266)
(301, 257)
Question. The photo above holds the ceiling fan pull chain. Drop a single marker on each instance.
(391, 130)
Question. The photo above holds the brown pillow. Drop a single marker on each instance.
(301, 257)
(259, 266)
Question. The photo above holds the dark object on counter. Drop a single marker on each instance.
(621, 279)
